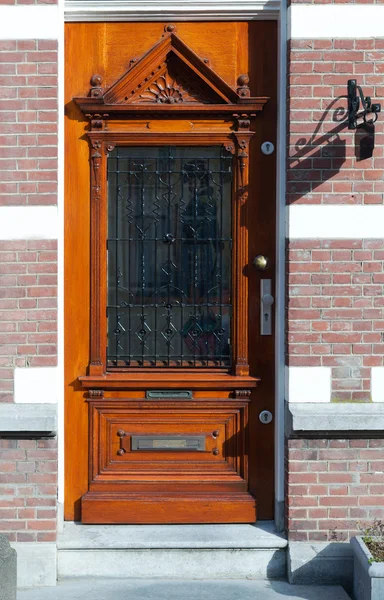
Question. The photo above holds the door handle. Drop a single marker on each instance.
(266, 302)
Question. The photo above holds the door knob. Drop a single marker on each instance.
(260, 262)
(268, 300)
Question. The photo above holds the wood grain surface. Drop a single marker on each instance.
(230, 49)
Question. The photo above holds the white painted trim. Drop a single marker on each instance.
(308, 384)
(336, 221)
(177, 10)
(60, 266)
(28, 22)
(28, 222)
(280, 269)
(36, 384)
(377, 384)
(316, 21)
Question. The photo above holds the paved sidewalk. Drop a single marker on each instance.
(159, 589)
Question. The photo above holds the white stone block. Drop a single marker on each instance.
(335, 221)
(308, 384)
(28, 222)
(377, 384)
(316, 21)
(29, 22)
(36, 385)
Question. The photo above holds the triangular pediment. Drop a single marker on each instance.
(169, 79)
(170, 73)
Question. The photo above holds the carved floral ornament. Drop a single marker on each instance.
(170, 78)
(166, 90)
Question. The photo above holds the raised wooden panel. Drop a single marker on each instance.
(122, 476)
(221, 422)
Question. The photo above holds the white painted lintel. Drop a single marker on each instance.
(176, 10)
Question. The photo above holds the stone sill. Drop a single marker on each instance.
(28, 419)
(263, 535)
(330, 418)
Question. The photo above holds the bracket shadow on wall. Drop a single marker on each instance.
(171, 97)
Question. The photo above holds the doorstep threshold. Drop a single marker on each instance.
(80, 536)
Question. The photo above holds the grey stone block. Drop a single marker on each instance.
(368, 577)
(262, 535)
(174, 551)
(28, 418)
(162, 589)
(37, 563)
(329, 418)
(327, 563)
(8, 570)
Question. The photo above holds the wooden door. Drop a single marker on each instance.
(168, 200)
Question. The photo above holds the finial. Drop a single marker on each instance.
(243, 89)
(96, 90)
(170, 28)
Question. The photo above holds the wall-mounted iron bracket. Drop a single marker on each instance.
(355, 98)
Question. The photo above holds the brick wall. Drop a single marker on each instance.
(28, 308)
(336, 311)
(335, 286)
(324, 165)
(28, 122)
(335, 487)
(28, 489)
(28, 275)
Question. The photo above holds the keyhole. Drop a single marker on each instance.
(268, 147)
(266, 316)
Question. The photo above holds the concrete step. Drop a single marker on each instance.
(89, 589)
(172, 551)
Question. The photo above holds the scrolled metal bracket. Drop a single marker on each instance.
(356, 99)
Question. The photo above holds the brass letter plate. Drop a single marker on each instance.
(169, 394)
(176, 443)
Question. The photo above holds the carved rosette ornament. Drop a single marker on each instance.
(108, 148)
(166, 90)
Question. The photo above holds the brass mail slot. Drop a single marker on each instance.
(166, 394)
(168, 442)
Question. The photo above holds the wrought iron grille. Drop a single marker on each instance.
(169, 257)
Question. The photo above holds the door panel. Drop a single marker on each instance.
(243, 448)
